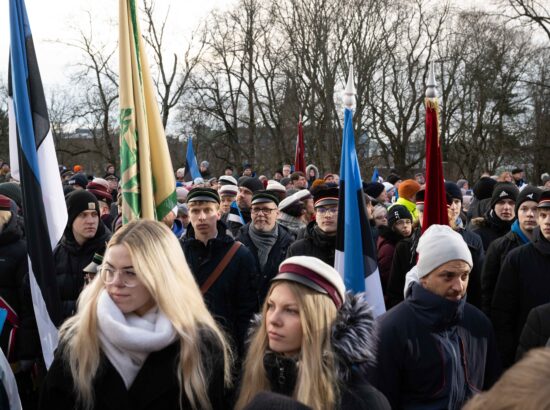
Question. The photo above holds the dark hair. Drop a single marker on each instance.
(295, 176)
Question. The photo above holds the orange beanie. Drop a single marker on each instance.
(408, 189)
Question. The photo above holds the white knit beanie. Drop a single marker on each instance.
(439, 245)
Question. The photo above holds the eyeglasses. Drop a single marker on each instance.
(108, 276)
(327, 211)
(264, 211)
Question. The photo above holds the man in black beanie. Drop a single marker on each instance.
(498, 220)
(248, 186)
(84, 236)
(483, 189)
(521, 233)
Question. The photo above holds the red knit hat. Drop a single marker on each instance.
(5, 203)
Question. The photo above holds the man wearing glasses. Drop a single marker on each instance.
(320, 236)
(267, 240)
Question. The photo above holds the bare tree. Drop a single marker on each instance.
(534, 12)
(172, 75)
(4, 123)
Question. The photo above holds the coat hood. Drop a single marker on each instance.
(313, 167)
(353, 336)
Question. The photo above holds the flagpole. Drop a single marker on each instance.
(435, 204)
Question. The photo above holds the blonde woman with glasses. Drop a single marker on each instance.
(142, 337)
(311, 342)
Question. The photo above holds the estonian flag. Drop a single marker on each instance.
(34, 164)
(191, 167)
(235, 214)
(355, 256)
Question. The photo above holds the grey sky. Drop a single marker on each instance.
(51, 20)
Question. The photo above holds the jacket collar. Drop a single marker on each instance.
(433, 310)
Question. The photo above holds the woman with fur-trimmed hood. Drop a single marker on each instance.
(312, 173)
(311, 341)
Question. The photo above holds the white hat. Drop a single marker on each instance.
(227, 180)
(439, 244)
(315, 274)
(273, 185)
(231, 190)
(388, 186)
(301, 195)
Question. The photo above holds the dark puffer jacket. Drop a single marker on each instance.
(156, 385)
(232, 299)
(15, 292)
(490, 227)
(70, 259)
(353, 346)
(276, 256)
(522, 285)
(315, 243)
(424, 344)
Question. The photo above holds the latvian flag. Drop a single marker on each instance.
(34, 164)
(355, 256)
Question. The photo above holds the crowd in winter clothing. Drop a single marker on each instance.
(464, 302)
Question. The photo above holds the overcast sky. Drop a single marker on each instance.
(53, 20)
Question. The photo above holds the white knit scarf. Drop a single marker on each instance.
(128, 339)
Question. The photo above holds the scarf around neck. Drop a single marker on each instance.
(517, 230)
(128, 339)
(263, 241)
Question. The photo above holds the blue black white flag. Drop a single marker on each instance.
(34, 164)
(235, 214)
(191, 168)
(355, 256)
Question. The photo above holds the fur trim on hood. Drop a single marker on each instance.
(313, 167)
(479, 222)
(353, 335)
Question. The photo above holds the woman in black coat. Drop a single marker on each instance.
(142, 337)
(312, 341)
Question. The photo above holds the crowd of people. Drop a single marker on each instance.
(232, 300)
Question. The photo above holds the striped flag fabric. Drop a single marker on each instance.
(34, 164)
(435, 203)
(191, 168)
(147, 178)
(375, 175)
(355, 256)
(235, 214)
(299, 158)
(9, 395)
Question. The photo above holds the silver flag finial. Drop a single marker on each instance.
(349, 92)
(431, 90)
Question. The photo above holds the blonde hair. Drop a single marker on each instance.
(316, 384)
(524, 386)
(160, 265)
(5, 217)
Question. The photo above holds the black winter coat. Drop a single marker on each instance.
(70, 259)
(536, 332)
(475, 246)
(490, 227)
(15, 292)
(413, 368)
(523, 284)
(498, 250)
(276, 256)
(315, 243)
(232, 299)
(155, 387)
(353, 346)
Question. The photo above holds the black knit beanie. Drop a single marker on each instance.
(504, 190)
(80, 201)
(484, 188)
